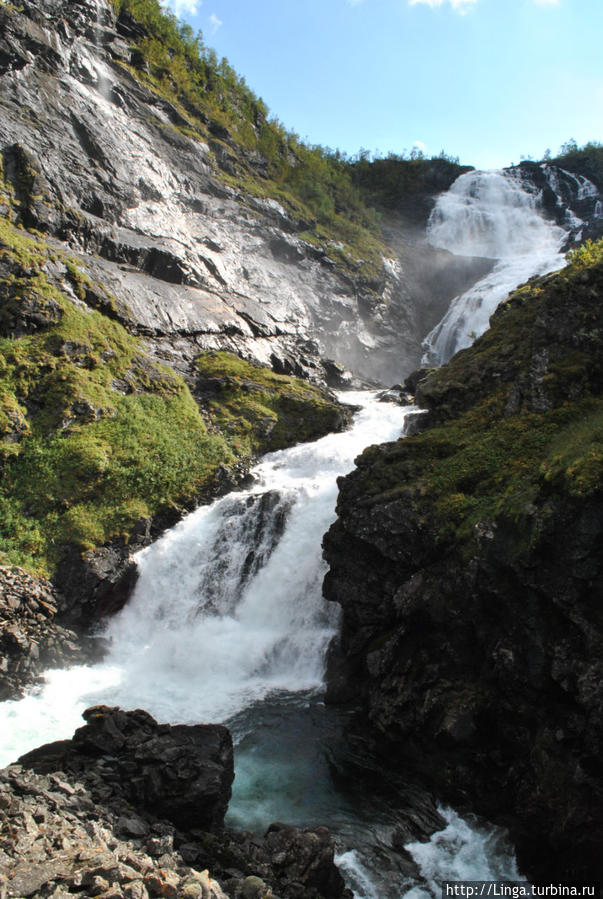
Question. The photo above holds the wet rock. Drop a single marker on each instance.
(114, 196)
(96, 584)
(304, 857)
(254, 888)
(295, 862)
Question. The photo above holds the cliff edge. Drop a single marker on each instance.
(467, 561)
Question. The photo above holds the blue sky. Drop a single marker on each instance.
(485, 80)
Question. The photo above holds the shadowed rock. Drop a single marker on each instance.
(182, 773)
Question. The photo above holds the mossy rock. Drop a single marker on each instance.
(94, 434)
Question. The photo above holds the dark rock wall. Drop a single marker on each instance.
(467, 561)
(31, 639)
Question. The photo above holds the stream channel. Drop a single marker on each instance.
(227, 624)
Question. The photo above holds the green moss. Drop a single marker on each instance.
(589, 254)
(259, 410)
(470, 471)
(80, 460)
(575, 459)
(508, 444)
(95, 435)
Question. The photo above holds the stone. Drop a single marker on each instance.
(132, 827)
(95, 884)
(158, 846)
(163, 883)
(255, 888)
(183, 773)
(71, 857)
(192, 889)
(32, 638)
(27, 879)
(135, 890)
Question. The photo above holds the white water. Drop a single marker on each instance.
(463, 850)
(198, 641)
(227, 623)
(489, 214)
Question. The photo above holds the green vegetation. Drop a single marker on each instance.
(586, 256)
(257, 409)
(94, 434)
(510, 441)
(402, 182)
(262, 157)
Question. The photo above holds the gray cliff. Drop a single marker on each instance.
(102, 162)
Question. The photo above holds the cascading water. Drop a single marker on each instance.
(489, 214)
(227, 623)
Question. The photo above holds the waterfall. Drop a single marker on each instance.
(228, 608)
(227, 623)
(491, 214)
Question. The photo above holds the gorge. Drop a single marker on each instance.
(170, 311)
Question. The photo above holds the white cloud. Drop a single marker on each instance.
(215, 22)
(461, 6)
(180, 7)
(419, 145)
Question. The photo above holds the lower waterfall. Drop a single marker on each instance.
(227, 624)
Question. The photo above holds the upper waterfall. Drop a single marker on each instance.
(492, 214)
(497, 215)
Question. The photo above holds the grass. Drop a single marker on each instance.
(259, 410)
(488, 460)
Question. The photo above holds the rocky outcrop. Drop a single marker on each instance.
(128, 806)
(181, 773)
(570, 198)
(467, 561)
(31, 639)
(64, 844)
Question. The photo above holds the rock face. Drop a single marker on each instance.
(31, 640)
(467, 561)
(570, 198)
(100, 160)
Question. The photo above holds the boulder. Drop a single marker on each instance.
(182, 773)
